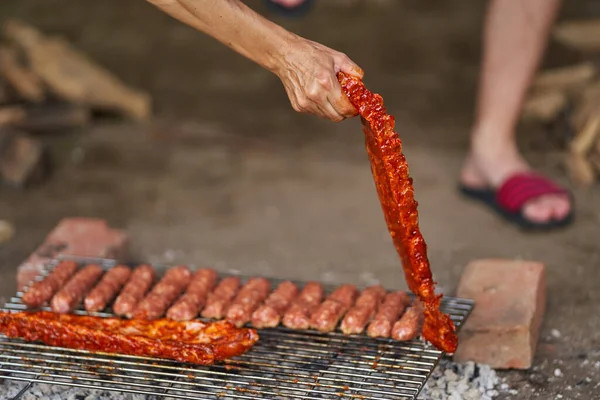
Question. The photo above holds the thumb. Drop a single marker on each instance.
(349, 67)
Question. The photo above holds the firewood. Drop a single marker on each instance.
(54, 117)
(580, 169)
(587, 105)
(23, 160)
(584, 140)
(583, 35)
(595, 161)
(544, 106)
(5, 92)
(11, 115)
(73, 77)
(26, 83)
(564, 79)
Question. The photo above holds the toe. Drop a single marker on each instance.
(538, 210)
(547, 208)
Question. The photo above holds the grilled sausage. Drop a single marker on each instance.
(366, 306)
(41, 292)
(392, 308)
(107, 289)
(67, 298)
(270, 313)
(218, 301)
(307, 302)
(249, 298)
(163, 294)
(327, 316)
(190, 304)
(407, 327)
(134, 291)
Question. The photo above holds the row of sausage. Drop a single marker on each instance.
(184, 295)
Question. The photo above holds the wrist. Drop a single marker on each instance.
(275, 57)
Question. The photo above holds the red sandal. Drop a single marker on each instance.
(508, 200)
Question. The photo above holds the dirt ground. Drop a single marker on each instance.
(228, 175)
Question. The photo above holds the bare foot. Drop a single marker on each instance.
(489, 166)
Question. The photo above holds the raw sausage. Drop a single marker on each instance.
(333, 308)
(163, 294)
(392, 308)
(270, 313)
(138, 285)
(298, 315)
(72, 293)
(249, 298)
(107, 289)
(190, 304)
(365, 308)
(40, 292)
(407, 327)
(219, 300)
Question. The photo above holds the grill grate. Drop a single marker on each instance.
(284, 364)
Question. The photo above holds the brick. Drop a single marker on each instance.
(83, 237)
(510, 299)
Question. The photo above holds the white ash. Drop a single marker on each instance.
(41, 391)
(469, 381)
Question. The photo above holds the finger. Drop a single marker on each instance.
(340, 102)
(330, 112)
(346, 65)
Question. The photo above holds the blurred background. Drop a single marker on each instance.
(196, 152)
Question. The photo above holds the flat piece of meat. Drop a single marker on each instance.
(396, 194)
(190, 341)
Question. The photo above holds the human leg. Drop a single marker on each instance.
(515, 38)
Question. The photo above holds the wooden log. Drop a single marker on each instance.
(595, 161)
(587, 105)
(73, 77)
(54, 117)
(544, 106)
(584, 140)
(44, 118)
(11, 115)
(580, 169)
(25, 83)
(23, 160)
(582, 35)
(564, 79)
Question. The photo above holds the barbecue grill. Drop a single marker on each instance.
(284, 364)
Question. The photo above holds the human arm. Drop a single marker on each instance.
(307, 69)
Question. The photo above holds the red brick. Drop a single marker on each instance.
(83, 237)
(510, 298)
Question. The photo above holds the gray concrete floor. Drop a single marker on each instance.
(228, 175)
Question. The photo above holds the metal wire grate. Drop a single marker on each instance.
(284, 364)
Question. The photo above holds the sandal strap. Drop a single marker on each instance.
(521, 188)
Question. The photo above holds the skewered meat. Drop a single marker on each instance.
(190, 304)
(192, 342)
(329, 313)
(252, 294)
(73, 292)
(407, 327)
(134, 291)
(41, 292)
(307, 302)
(392, 308)
(106, 290)
(396, 194)
(163, 294)
(219, 299)
(364, 309)
(270, 313)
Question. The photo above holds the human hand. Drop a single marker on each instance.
(308, 73)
